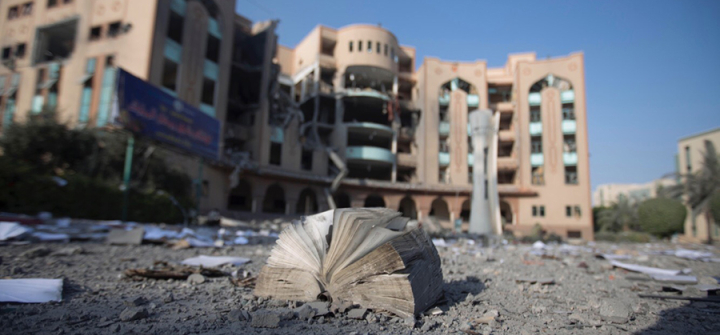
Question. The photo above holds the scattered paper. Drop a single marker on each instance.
(679, 279)
(10, 230)
(613, 256)
(438, 242)
(646, 269)
(693, 254)
(539, 245)
(213, 261)
(241, 240)
(30, 290)
(48, 237)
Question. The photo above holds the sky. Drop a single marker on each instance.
(652, 68)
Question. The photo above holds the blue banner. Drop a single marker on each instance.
(149, 111)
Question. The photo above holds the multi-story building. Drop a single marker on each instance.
(691, 150)
(608, 194)
(343, 119)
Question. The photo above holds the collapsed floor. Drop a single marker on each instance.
(487, 290)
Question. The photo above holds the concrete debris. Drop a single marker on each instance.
(305, 312)
(69, 251)
(265, 320)
(615, 311)
(542, 281)
(134, 313)
(675, 279)
(164, 270)
(320, 307)
(36, 252)
(139, 301)
(239, 315)
(214, 261)
(133, 236)
(196, 278)
(357, 313)
(340, 307)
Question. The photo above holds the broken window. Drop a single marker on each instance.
(170, 75)
(86, 97)
(536, 145)
(577, 211)
(306, 160)
(212, 51)
(208, 92)
(27, 8)
(535, 114)
(571, 176)
(114, 29)
(574, 234)
(442, 177)
(175, 27)
(95, 33)
(6, 51)
(568, 111)
(275, 153)
(350, 46)
(13, 12)
(55, 42)
(538, 177)
(52, 3)
(20, 51)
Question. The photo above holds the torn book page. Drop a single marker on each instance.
(213, 261)
(30, 290)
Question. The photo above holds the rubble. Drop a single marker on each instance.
(265, 320)
(122, 236)
(164, 270)
(196, 278)
(133, 313)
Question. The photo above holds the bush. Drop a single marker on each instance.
(715, 207)
(662, 217)
(627, 236)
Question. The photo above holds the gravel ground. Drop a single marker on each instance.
(482, 295)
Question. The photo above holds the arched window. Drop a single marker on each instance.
(240, 198)
(374, 200)
(407, 208)
(274, 201)
(440, 210)
(307, 203)
(342, 200)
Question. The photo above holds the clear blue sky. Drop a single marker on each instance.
(652, 67)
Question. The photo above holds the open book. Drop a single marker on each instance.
(368, 256)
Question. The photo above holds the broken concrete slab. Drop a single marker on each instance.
(357, 313)
(265, 320)
(134, 313)
(239, 315)
(133, 236)
(320, 307)
(214, 261)
(196, 278)
(615, 311)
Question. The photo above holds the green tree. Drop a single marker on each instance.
(661, 216)
(698, 188)
(621, 216)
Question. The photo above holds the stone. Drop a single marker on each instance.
(615, 311)
(305, 312)
(265, 320)
(238, 315)
(196, 278)
(339, 307)
(121, 236)
(69, 251)
(133, 313)
(357, 313)
(36, 252)
(320, 307)
(410, 321)
(428, 325)
(139, 301)
(169, 298)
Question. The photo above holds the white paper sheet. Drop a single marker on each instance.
(213, 261)
(30, 290)
(9, 230)
(646, 269)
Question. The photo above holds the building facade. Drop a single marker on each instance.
(608, 194)
(691, 150)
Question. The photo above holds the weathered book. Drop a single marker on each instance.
(367, 256)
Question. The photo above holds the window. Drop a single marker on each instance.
(369, 46)
(52, 3)
(578, 213)
(542, 211)
(86, 97)
(377, 49)
(569, 144)
(175, 27)
(306, 160)
(574, 234)
(350, 46)
(392, 52)
(568, 111)
(114, 29)
(13, 12)
(442, 177)
(20, 51)
(571, 175)
(27, 8)
(208, 92)
(359, 45)
(170, 75)
(538, 177)
(534, 211)
(95, 33)
(536, 145)
(6, 51)
(687, 149)
(212, 51)
(386, 49)
(568, 211)
(535, 114)
(275, 153)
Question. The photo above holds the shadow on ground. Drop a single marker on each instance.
(458, 290)
(692, 318)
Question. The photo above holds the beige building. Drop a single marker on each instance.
(608, 194)
(689, 160)
(343, 118)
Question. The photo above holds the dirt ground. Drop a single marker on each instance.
(482, 294)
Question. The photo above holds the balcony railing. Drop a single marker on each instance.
(473, 100)
(444, 158)
(537, 159)
(534, 99)
(444, 128)
(569, 126)
(535, 128)
(444, 99)
(367, 153)
(406, 160)
(570, 158)
(567, 96)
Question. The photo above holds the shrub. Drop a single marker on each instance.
(661, 216)
(627, 236)
(715, 207)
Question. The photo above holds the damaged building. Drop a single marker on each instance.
(346, 118)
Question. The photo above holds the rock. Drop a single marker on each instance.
(238, 315)
(287, 315)
(320, 307)
(69, 251)
(693, 291)
(133, 313)
(339, 307)
(305, 312)
(410, 321)
(36, 252)
(122, 236)
(614, 311)
(169, 298)
(428, 325)
(196, 278)
(139, 301)
(265, 320)
(357, 313)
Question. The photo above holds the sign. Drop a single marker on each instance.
(149, 111)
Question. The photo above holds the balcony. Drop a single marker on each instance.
(370, 154)
(444, 159)
(507, 163)
(369, 127)
(535, 128)
(444, 128)
(406, 160)
(406, 134)
(506, 135)
(365, 93)
(570, 158)
(471, 159)
(237, 131)
(406, 76)
(444, 99)
(534, 99)
(569, 126)
(537, 159)
(327, 61)
(567, 96)
(503, 106)
(473, 100)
